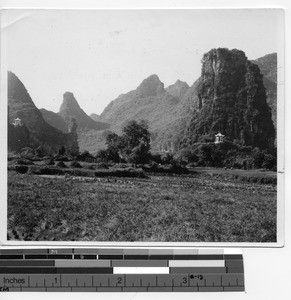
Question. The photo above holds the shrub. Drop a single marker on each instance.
(21, 169)
(85, 156)
(61, 164)
(258, 158)
(101, 156)
(269, 162)
(102, 165)
(50, 162)
(168, 159)
(24, 162)
(157, 158)
(75, 164)
(61, 158)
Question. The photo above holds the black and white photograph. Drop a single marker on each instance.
(143, 125)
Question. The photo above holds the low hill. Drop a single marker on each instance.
(54, 120)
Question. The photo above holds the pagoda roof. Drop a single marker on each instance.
(219, 134)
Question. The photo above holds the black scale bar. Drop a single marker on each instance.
(43, 270)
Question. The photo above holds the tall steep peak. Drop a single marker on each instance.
(218, 60)
(69, 102)
(70, 109)
(231, 99)
(151, 86)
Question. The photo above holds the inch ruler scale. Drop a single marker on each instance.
(121, 270)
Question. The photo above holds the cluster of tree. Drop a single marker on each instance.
(132, 146)
(228, 155)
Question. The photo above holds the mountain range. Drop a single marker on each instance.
(233, 95)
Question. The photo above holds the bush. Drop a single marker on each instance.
(61, 158)
(121, 173)
(61, 164)
(21, 169)
(156, 158)
(168, 159)
(50, 162)
(187, 156)
(269, 162)
(102, 165)
(85, 156)
(101, 156)
(75, 164)
(24, 162)
(258, 158)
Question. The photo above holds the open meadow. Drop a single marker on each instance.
(203, 206)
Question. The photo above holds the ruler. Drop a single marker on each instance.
(120, 270)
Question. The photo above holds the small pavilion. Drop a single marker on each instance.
(17, 122)
(219, 138)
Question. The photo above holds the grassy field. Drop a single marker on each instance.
(198, 207)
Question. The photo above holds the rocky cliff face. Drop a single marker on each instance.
(268, 67)
(20, 105)
(230, 98)
(71, 109)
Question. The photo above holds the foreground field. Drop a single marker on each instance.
(178, 208)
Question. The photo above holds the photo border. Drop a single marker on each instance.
(280, 164)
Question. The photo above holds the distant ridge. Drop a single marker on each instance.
(54, 119)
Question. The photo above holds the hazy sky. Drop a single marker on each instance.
(101, 54)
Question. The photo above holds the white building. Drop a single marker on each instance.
(17, 122)
(219, 138)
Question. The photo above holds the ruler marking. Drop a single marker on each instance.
(225, 282)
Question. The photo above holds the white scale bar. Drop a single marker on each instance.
(141, 270)
(196, 263)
